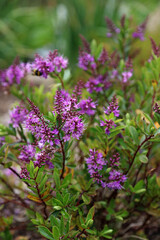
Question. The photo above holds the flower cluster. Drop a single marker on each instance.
(95, 164)
(66, 108)
(157, 108)
(113, 107)
(14, 74)
(113, 30)
(18, 115)
(108, 124)
(52, 64)
(39, 127)
(87, 106)
(139, 33)
(97, 84)
(86, 61)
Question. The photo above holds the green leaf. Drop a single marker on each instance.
(134, 134)
(62, 226)
(143, 158)
(86, 198)
(45, 232)
(56, 178)
(66, 198)
(56, 234)
(45, 178)
(54, 221)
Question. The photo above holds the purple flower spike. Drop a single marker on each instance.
(17, 116)
(87, 106)
(108, 124)
(126, 76)
(113, 107)
(86, 61)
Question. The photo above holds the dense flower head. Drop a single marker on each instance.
(98, 84)
(116, 178)
(114, 160)
(14, 74)
(103, 58)
(18, 115)
(74, 127)
(53, 63)
(77, 92)
(113, 30)
(27, 153)
(126, 76)
(139, 33)
(39, 127)
(95, 162)
(65, 105)
(86, 61)
(24, 173)
(156, 108)
(108, 124)
(87, 106)
(113, 107)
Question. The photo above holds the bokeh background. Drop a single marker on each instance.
(30, 26)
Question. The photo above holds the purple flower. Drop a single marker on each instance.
(95, 162)
(139, 33)
(113, 30)
(113, 107)
(114, 160)
(87, 106)
(2, 141)
(17, 116)
(86, 61)
(77, 92)
(27, 153)
(108, 124)
(42, 65)
(53, 63)
(94, 84)
(39, 127)
(103, 57)
(126, 76)
(14, 74)
(74, 127)
(116, 178)
(156, 108)
(24, 173)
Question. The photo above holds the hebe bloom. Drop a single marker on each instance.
(156, 108)
(95, 162)
(116, 178)
(108, 124)
(113, 107)
(74, 127)
(87, 106)
(14, 74)
(27, 153)
(18, 115)
(86, 61)
(126, 76)
(53, 63)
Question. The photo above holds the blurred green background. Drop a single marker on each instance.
(29, 26)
